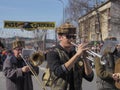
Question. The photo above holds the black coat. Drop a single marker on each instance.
(64, 79)
(15, 78)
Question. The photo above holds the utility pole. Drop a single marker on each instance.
(98, 31)
(44, 39)
(63, 10)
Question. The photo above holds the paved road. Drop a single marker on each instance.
(90, 85)
(86, 85)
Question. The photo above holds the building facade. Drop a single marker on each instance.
(101, 22)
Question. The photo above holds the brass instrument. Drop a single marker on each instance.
(91, 53)
(108, 47)
(31, 57)
(37, 58)
(88, 51)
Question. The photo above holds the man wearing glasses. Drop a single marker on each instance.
(17, 73)
(65, 62)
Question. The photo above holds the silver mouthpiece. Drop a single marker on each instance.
(74, 44)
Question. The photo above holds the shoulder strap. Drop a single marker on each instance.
(62, 54)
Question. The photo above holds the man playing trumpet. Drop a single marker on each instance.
(65, 63)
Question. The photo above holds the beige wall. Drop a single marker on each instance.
(109, 22)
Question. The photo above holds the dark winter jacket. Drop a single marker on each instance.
(64, 79)
(15, 78)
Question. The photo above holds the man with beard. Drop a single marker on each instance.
(17, 73)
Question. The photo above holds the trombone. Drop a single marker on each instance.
(91, 53)
(36, 59)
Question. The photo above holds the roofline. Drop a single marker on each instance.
(94, 9)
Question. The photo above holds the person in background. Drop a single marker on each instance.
(66, 64)
(4, 55)
(1, 46)
(1, 55)
(17, 73)
(105, 66)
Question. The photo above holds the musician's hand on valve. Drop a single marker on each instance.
(81, 48)
(25, 69)
(85, 54)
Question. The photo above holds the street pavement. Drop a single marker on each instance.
(86, 85)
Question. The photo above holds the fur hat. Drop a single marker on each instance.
(18, 43)
(66, 28)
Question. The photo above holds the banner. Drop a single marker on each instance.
(29, 25)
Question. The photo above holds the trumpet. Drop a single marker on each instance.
(91, 53)
(88, 51)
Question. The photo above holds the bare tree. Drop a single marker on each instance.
(74, 10)
(77, 8)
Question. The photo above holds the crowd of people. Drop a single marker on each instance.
(68, 65)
